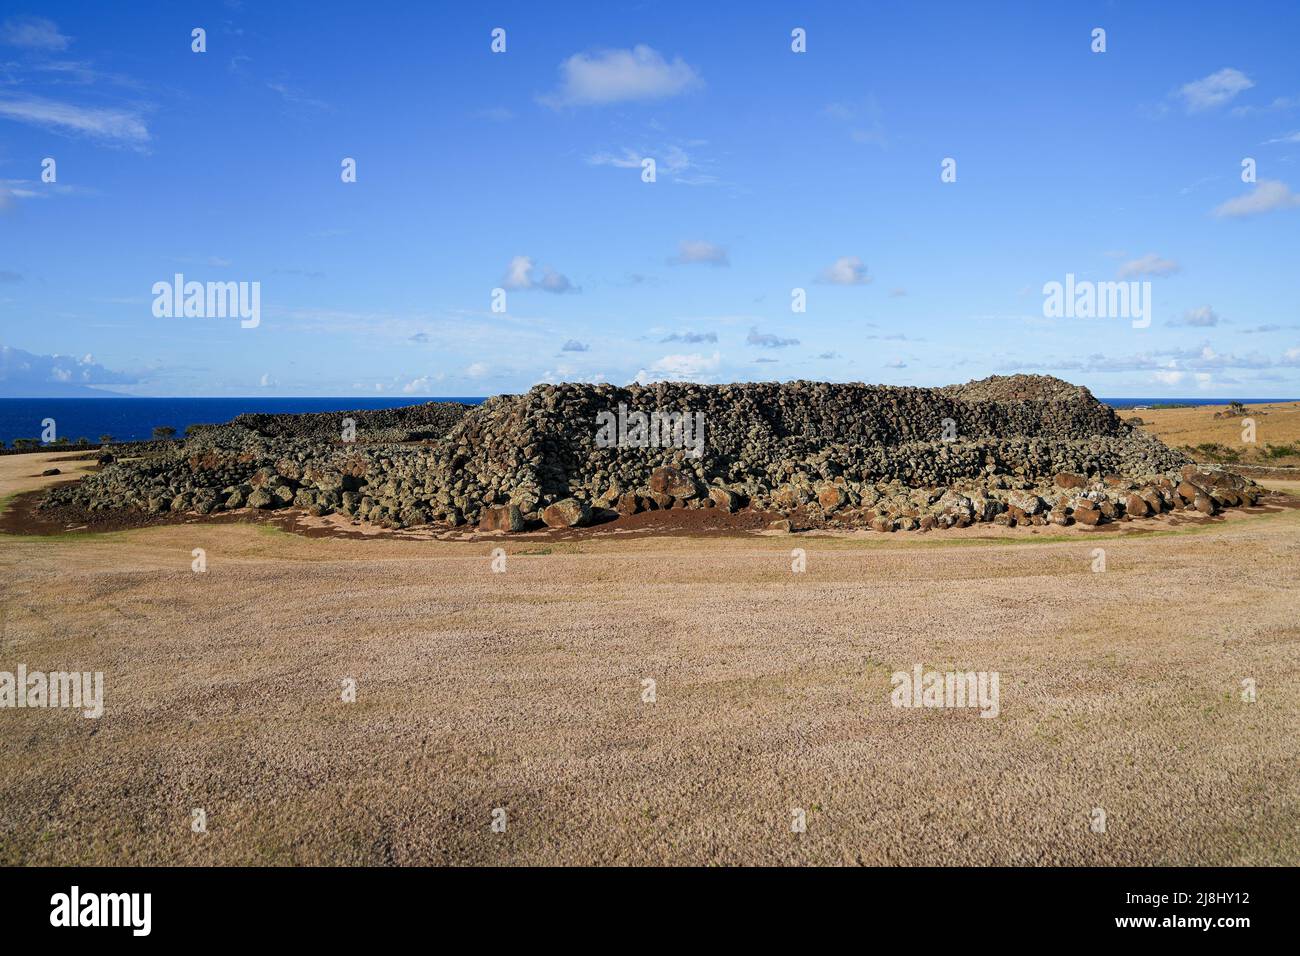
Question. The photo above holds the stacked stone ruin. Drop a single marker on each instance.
(1015, 450)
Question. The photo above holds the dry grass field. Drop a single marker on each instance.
(523, 690)
(1277, 432)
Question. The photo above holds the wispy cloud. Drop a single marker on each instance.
(120, 125)
(691, 338)
(1279, 104)
(671, 161)
(863, 120)
(1267, 196)
(295, 97)
(1202, 358)
(1202, 317)
(1148, 265)
(1213, 90)
(698, 251)
(34, 33)
(766, 340)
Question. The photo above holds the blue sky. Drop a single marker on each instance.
(521, 170)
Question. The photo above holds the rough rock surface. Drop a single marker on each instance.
(1022, 450)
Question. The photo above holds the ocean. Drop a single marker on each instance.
(134, 419)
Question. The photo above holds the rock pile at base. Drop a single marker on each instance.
(1013, 450)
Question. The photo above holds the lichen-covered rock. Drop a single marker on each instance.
(261, 498)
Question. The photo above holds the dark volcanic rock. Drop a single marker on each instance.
(848, 455)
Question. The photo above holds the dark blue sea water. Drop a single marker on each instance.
(1203, 400)
(133, 419)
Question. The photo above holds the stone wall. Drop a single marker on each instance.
(815, 448)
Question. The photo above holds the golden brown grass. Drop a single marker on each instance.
(523, 690)
(1277, 426)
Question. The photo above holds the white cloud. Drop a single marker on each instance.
(102, 123)
(476, 370)
(36, 33)
(1168, 378)
(1288, 138)
(19, 369)
(679, 368)
(697, 250)
(1214, 90)
(1148, 265)
(421, 385)
(566, 373)
(846, 270)
(521, 275)
(1267, 196)
(517, 273)
(613, 76)
(266, 381)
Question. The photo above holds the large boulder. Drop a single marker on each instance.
(1026, 501)
(569, 513)
(1086, 512)
(261, 498)
(507, 518)
(1136, 506)
(831, 497)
